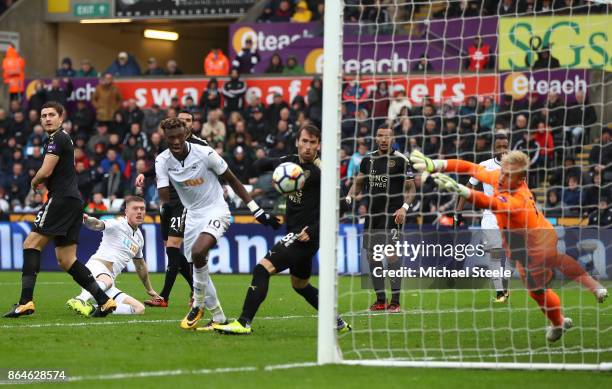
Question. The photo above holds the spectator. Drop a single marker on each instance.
(239, 137)
(111, 158)
(315, 101)
(580, 116)
(214, 129)
(33, 202)
(34, 161)
(423, 65)
(276, 64)
(153, 68)
(101, 136)
(59, 93)
(106, 99)
(5, 207)
(96, 205)
(124, 66)
(601, 153)
(395, 107)
(544, 139)
(257, 126)
(282, 12)
(380, 101)
(173, 69)
(156, 146)
(234, 91)
(13, 70)
(293, 67)
(86, 69)
(267, 13)
(508, 7)
(302, 14)
(479, 56)
(18, 185)
(240, 165)
(141, 138)
(84, 181)
(602, 217)
(274, 109)
(354, 97)
(151, 119)
(210, 98)
(66, 69)
(355, 162)
(216, 63)
(18, 128)
(246, 59)
(486, 119)
(133, 114)
(545, 60)
(82, 118)
(553, 203)
(119, 125)
(571, 193)
(560, 175)
(113, 184)
(39, 97)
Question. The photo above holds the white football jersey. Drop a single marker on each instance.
(120, 244)
(195, 179)
(488, 219)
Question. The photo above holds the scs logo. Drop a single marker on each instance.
(193, 182)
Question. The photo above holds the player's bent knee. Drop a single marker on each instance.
(268, 265)
(299, 283)
(139, 308)
(174, 241)
(105, 279)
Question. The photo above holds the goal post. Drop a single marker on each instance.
(327, 350)
(422, 49)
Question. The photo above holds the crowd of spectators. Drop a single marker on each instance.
(115, 140)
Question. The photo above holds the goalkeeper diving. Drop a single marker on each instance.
(529, 238)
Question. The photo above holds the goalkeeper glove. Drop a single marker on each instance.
(424, 164)
(263, 217)
(446, 183)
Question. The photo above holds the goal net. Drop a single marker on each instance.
(467, 80)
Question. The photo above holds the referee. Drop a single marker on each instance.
(60, 218)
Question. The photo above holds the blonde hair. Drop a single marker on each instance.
(517, 158)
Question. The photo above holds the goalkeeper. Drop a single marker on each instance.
(529, 237)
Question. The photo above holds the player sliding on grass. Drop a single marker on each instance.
(388, 184)
(529, 237)
(194, 171)
(122, 242)
(296, 249)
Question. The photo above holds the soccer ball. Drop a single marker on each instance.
(288, 177)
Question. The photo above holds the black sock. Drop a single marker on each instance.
(396, 282)
(186, 270)
(310, 294)
(31, 267)
(255, 295)
(81, 274)
(378, 282)
(171, 271)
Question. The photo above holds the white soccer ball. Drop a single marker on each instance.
(288, 178)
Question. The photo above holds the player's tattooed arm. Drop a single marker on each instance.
(143, 273)
(93, 223)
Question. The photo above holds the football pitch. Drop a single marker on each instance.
(151, 350)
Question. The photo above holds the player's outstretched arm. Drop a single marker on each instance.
(479, 199)
(427, 165)
(93, 223)
(143, 273)
(262, 216)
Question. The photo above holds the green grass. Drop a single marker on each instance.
(451, 325)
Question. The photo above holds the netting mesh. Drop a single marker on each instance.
(448, 78)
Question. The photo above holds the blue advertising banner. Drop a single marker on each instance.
(245, 244)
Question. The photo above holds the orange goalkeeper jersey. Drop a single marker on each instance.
(530, 238)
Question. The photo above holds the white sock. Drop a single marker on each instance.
(124, 309)
(497, 281)
(84, 296)
(200, 285)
